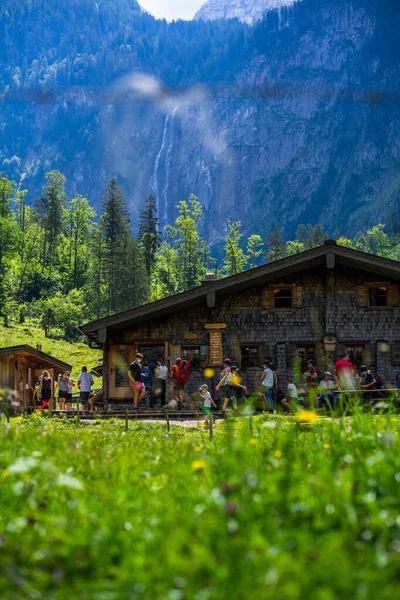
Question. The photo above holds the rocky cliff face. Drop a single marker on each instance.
(308, 130)
(248, 11)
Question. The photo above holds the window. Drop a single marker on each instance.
(378, 296)
(356, 354)
(305, 352)
(249, 356)
(192, 354)
(283, 298)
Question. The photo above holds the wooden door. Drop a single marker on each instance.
(119, 359)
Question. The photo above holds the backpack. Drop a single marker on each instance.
(183, 374)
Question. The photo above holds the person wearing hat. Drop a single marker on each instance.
(327, 396)
(311, 373)
(208, 401)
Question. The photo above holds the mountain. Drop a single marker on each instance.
(248, 11)
(295, 120)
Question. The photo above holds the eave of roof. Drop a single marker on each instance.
(300, 261)
(44, 358)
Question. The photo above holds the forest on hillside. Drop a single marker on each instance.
(61, 264)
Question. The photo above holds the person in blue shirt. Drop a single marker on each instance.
(147, 380)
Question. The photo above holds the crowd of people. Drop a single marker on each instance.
(46, 388)
(148, 380)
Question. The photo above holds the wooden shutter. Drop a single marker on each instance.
(362, 292)
(393, 295)
(297, 298)
(268, 299)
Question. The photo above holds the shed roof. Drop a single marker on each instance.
(41, 359)
(269, 272)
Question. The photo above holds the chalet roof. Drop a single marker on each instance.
(328, 254)
(41, 359)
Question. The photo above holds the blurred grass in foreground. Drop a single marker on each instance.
(272, 508)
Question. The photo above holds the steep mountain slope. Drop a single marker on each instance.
(248, 11)
(289, 137)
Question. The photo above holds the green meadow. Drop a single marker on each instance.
(268, 508)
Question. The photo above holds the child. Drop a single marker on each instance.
(292, 395)
(208, 402)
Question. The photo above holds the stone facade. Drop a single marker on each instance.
(324, 301)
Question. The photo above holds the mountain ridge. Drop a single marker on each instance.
(280, 133)
(248, 11)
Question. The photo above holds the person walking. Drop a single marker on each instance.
(85, 382)
(208, 402)
(63, 387)
(46, 389)
(161, 380)
(222, 387)
(180, 376)
(135, 376)
(267, 381)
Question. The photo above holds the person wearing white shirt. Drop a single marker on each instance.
(85, 382)
(161, 380)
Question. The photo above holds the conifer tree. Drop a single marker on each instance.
(8, 241)
(149, 234)
(255, 249)
(53, 207)
(235, 259)
(276, 245)
(115, 224)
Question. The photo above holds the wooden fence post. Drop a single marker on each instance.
(126, 419)
(211, 426)
(167, 418)
(77, 408)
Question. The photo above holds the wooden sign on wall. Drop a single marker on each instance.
(215, 348)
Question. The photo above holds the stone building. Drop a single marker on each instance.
(318, 304)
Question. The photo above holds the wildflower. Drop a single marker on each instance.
(306, 416)
(326, 446)
(203, 425)
(278, 454)
(6, 473)
(253, 442)
(209, 373)
(197, 449)
(349, 439)
(199, 465)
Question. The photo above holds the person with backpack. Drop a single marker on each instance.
(180, 376)
(46, 388)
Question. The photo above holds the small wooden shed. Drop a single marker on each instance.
(20, 366)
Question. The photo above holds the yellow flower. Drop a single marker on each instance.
(326, 446)
(209, 373)
(278, 454)
(306, 416)
(199, 465)
(253, 442)
(197, 449)
(6, 473)
(349, 439)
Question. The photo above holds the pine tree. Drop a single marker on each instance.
(276, 245)
(255, 249)
(115, 224)
(149, 234)
(53, 205)
(235, 259)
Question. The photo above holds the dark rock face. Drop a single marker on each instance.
(302, 134)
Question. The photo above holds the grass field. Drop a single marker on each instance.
(76, 354)
(269, 508)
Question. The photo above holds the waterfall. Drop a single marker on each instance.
(154, 177)
(168, 163)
